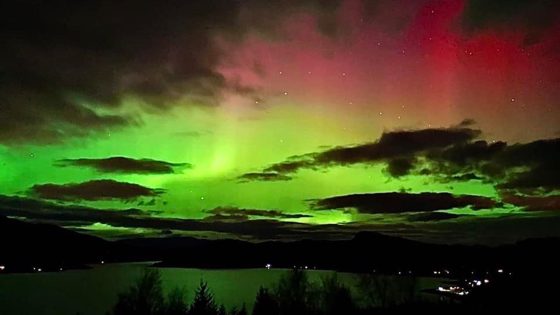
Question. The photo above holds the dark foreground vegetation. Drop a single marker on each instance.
(294, 294)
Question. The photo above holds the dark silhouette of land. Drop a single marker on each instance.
(294, 294)
(52, 247)
(521, 276)
(27, 245)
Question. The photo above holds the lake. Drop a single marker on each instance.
(94, 291)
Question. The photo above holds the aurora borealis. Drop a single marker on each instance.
(433, 120)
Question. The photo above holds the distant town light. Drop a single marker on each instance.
(454, 290)
(268, 266)
(500, 270)
(486, 281)
(2, 268)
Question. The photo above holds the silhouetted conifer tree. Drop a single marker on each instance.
(143, 298)
(295, 294)
(222, 310)
(241, 311)
(176, 303)
(203, 303)
(265, 303)
(335, 297)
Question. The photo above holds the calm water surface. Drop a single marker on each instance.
(94, 291)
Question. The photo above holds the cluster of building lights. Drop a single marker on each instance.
(454, 290)
(474, 283)
(478, 283)
(462, 291)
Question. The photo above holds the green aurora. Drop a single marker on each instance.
(329, 103)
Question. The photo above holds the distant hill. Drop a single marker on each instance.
(29, 244)
(367, 251)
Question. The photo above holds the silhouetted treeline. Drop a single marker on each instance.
(295, 294)
(146, 297)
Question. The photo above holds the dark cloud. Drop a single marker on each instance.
(28, 116)
(541, 178)
(464, 162)
(446, 155)
(60, 214)
(121, 164)
(493, 230)
(397, 202)
(533, 16)
(400, 166)
(81, 217)
(531, 166)
(397, 148)
(467, 122)
(471, 230)
(65, 66)
(263, 176)
(293, 164)
(104, 189)
(465, 177)
(397, 144)
(241, 213)
(524, 167)
(469, 154)
(433, 216)
(533, 203)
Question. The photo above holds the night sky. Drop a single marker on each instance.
(431, 120)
